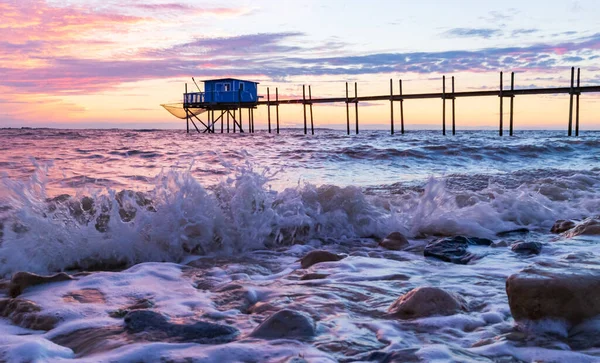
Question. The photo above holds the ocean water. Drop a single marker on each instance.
(211, 228)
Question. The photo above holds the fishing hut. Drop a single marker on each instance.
(221, 101)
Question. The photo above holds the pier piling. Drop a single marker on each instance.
(391, 107)
(501, 106)
(304, 106)
(312, 126)
(277, 107)
(453, 109)
(268, 110)
(401, 109)
(443, 105)
(356, 104)
(577, 102)
(512, 100)
(347, 111)
(570, 131)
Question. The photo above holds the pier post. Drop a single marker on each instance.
(234, 121)
(443, 105)
(304, 106)
(401, 109)
(512, 100)
(570, 132)
(277, 107)
(577, 102)
(356, 104)
(453, 109)
(347, 111)
(501, 106)
(213, 121)
(228, 112)
(312, 126)
(250, 122)
(391, 107)
(268, 110)
(240, 123)
(222, 114)
(187, 115)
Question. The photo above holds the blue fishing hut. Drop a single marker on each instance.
(226, 96)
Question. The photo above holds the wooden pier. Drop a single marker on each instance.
(574, 90)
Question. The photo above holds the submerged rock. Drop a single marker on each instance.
(427, 301)
(313, 276)
(285, 324)
(527, 247)
(538, 294)
(27, 314)
(454, 249)
(513, 232)
(138, 305)
(318, 256)
(156, 327)
(562, 225)
(22, 280)
(85, 296)
(394, 241)
(589, 226)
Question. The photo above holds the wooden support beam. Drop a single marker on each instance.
(249, 123)
(187, 116)
(268, 110)
(570, 131)
(347, 110)
(391, 107)
(501, 106)
(222, 113)
(233, 121)
(312, 126)
(304, 106)
(512, 102)
(453, 109)
(443, 105)
(577, 102)
(401, 109)
(228, 114)
(241, 122)
(356, 104)
(277, 107)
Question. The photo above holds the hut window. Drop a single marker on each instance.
(226, 87)
(241, 86)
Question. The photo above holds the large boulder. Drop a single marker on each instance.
(538, 294)
(27, 314)
(318, 256)
(589, 226)
(527, 247)
(286, 324)
(562, 225)
(22, 280)
(394, 241)
(427, 301)
(454, 249)
(156, 327)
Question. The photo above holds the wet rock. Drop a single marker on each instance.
(427, 301)
(318, 256)
(138, 305)
(313, 276)
(537, 294)
(22, 280)
(285, 324)
(513, 232)
(589, 226)
(92, 340)
(85, 296)
(394, 241)
(454, 249)
(527, 247)
(27, 314)
(500, 244)
(234, 296)
(562, 225)
(156, 327)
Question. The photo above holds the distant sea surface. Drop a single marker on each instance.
(211, 227)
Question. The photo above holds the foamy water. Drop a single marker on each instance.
(223, 219)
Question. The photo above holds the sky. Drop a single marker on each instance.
(109, 63)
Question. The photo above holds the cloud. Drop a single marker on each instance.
(473, 33)
(519, 32)
(158, 8)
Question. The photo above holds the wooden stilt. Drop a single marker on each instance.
(252, 117)
(228, 113)
(222, 114)
(453, 109)
(391, 107)
(347, 110)
(304, 106)
(443, 105)
(570, 132)
(501, 106)
(249, 122)
(401, 109)
(512, 103)
(277, 107)
(312, 126)
(268, 110)
(577, 103)
(240, 123)
(234, 121)
(356, 104)
(187, 115)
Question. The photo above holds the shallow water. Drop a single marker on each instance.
(224, 219)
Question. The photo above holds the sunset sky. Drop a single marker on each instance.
(109, 63)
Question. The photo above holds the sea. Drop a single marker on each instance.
(212, 228)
